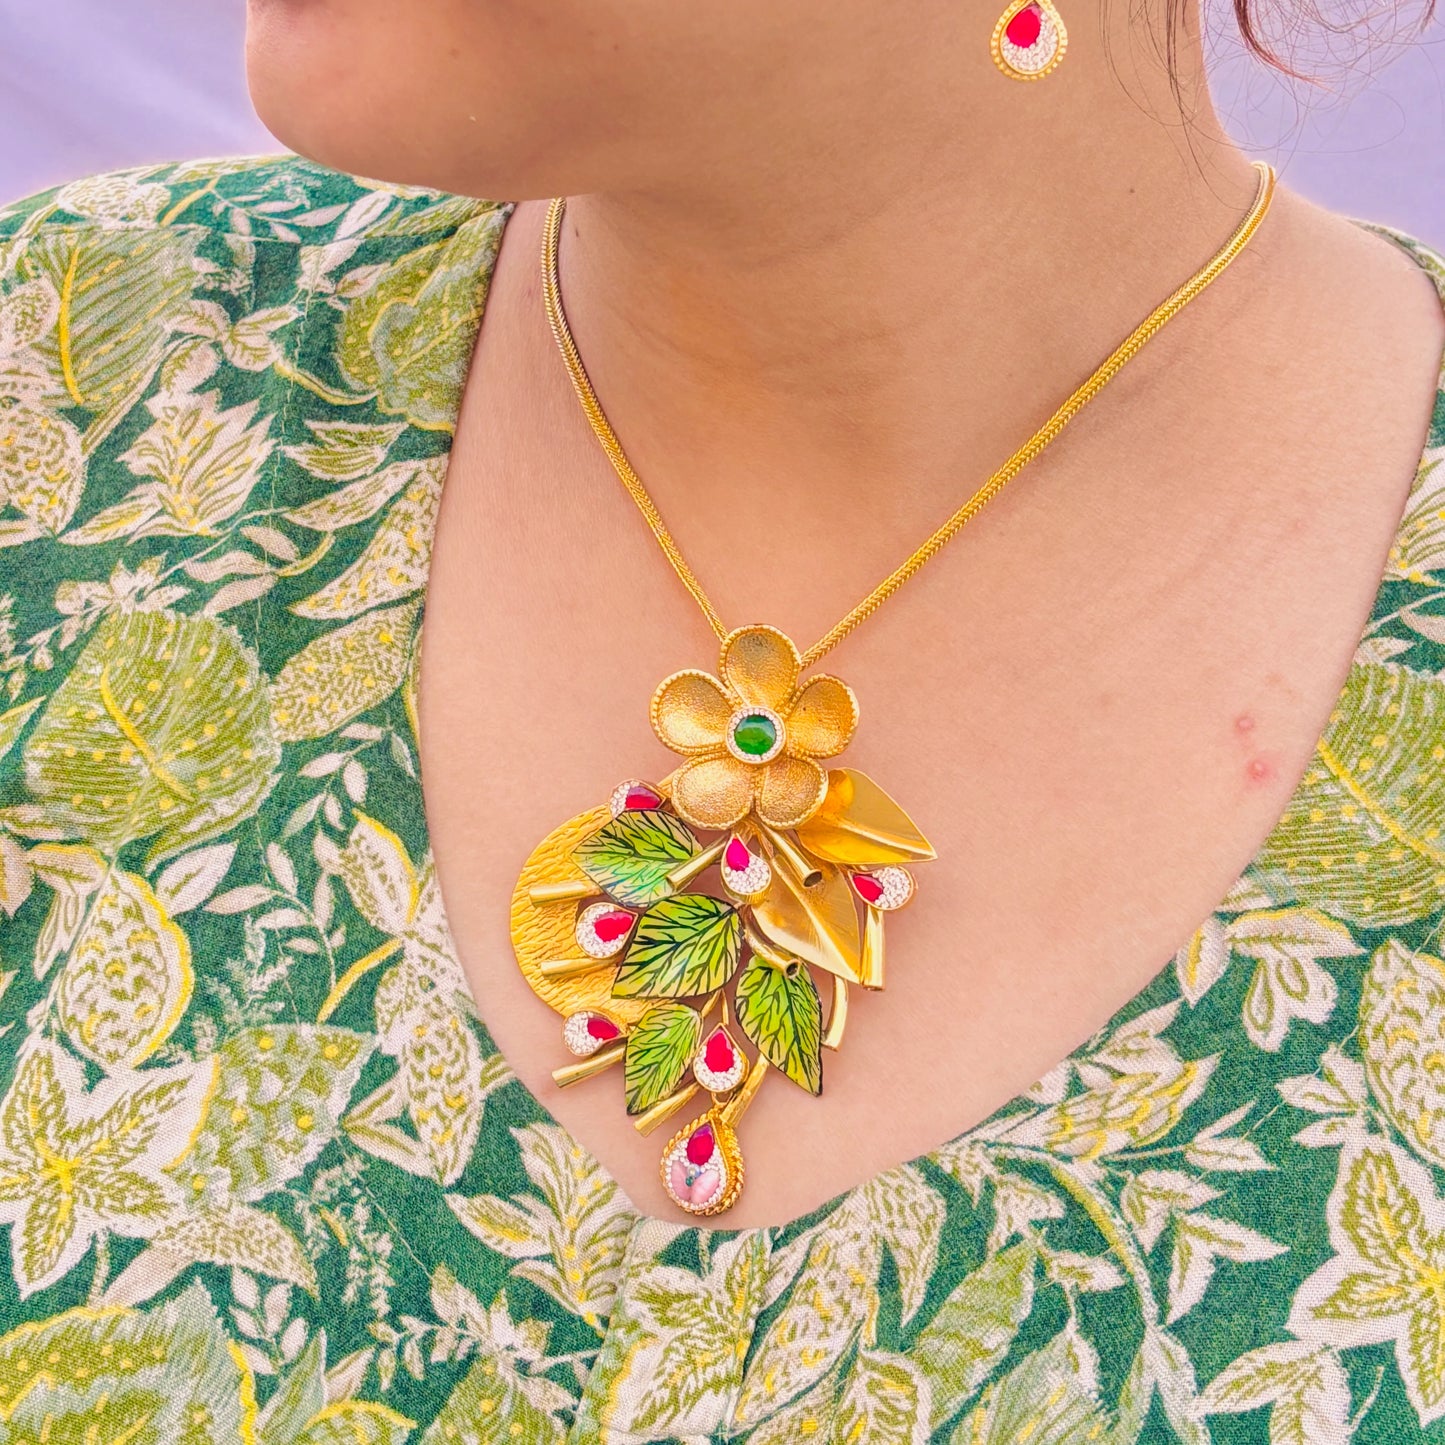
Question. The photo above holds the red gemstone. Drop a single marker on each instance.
(868, 888)
(641, 798)
(601, 1028)
(1024, 28)
(700, 1145)
(610, 926)
(737, 856)
(718, 1053)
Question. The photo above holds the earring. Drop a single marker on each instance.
(1029, 39)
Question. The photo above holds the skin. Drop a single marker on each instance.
(827, 268)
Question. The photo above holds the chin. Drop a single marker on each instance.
(418, 94)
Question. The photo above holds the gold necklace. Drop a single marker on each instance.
(609, 926)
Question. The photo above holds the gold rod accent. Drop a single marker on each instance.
(738, 1102)
(769, 955)
(697, 865)
(870, 971)
(664, 1109)
(569, 967)
(838, 1015)
(563, 892)
(606, 1056)
(803, 866)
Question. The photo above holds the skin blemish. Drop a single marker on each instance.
(1259, 770)
(1244, 724)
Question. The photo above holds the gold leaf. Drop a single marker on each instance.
(817, 924)
(860, 826)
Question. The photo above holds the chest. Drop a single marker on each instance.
(1095, 706)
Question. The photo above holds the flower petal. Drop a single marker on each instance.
(792, 790)
(690, 712)
(761, 665)
(823, 718)
(713, 792)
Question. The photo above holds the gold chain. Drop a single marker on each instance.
(1110, 367)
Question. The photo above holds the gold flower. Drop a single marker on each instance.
(752, 739)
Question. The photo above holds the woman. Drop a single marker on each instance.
(284, 1149)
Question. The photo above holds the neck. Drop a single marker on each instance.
(899, 291)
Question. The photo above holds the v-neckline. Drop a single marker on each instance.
(1161, 988)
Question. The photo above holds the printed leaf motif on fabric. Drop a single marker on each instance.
(1303, 1385)
(103, 1374)
(128, 978)
(1387, 1225)
(569, 1242)
(407, 338)
(277, 1100)
(77, 1161)
(1289, 981)
(1402, 1021)
(393, 564)
(1361, 839)
(160, 730)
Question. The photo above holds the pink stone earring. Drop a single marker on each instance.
(1029, 39)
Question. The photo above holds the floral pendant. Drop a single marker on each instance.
(618, 925)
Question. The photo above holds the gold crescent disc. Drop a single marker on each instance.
(544, 932)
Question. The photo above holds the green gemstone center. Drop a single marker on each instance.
(756, 735)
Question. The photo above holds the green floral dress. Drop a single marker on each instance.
(265, 1179)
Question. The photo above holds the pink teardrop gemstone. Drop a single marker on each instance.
(641, 798)
(611, 926)
(700, 1145)
(1024, 28)
(718, 1053)
(601, 1028)
(868, 888)
(736, 855)
(701, 1191)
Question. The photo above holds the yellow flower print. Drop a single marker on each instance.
(752, 738)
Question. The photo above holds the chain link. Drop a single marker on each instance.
(1110, 367)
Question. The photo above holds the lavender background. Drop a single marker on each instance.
(90, 84)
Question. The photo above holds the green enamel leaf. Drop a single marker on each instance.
(1361, 839)
(685, 945)
(783, 1016)
(630, 857)
(161, 728)
(659, 1049)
